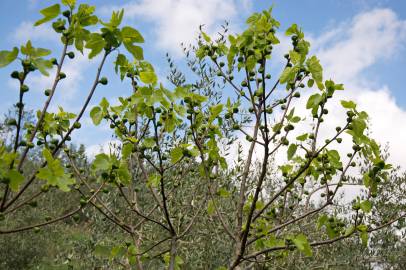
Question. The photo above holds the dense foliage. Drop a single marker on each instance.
(228, 169)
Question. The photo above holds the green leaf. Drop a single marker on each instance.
(295, 119)
(366, 206)
(291, 151)
(364, 237)
(126, 150)
(49, 13)
(310, 83)
(222, 192)
(288, 74)
(97, 115)
(215, 111)
(293, 29)
(302, 244)
(349, 230)
(6, 57)
(101, 162)
(136, 51)
(102, 251)
(294, 57)
(43, 65)
(54, 173)
(149, 142)
(313, 101)
(154, 180)
(313, 64)
(41, 52)
(123, 174)
(131, 35)
(334, 158)
(348, 104)
(148, 77)
(176, 154)
(16, 178)
(302, 137)
(322, 221)
(206, 37)
(70, 3)
(210, 208)
(96, 44)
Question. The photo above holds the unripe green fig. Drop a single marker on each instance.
(76, 217)
(66, 13)
(103, 81)
(268, 76)
(77, 125)
(71, 55)
(14, 74)
(83, 202)
(222, 64)
(62, 75)
(244, 84)
(54, 61)
(24, 88)
(296, 95)
(22, 143)
(12, 122)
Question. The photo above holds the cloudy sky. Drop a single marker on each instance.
(361, 43)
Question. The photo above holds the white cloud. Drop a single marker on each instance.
(353, 47)
(177, 21)
(370, 37)
(107, 147)
(27, 31)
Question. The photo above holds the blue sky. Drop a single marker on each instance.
(360, 42)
